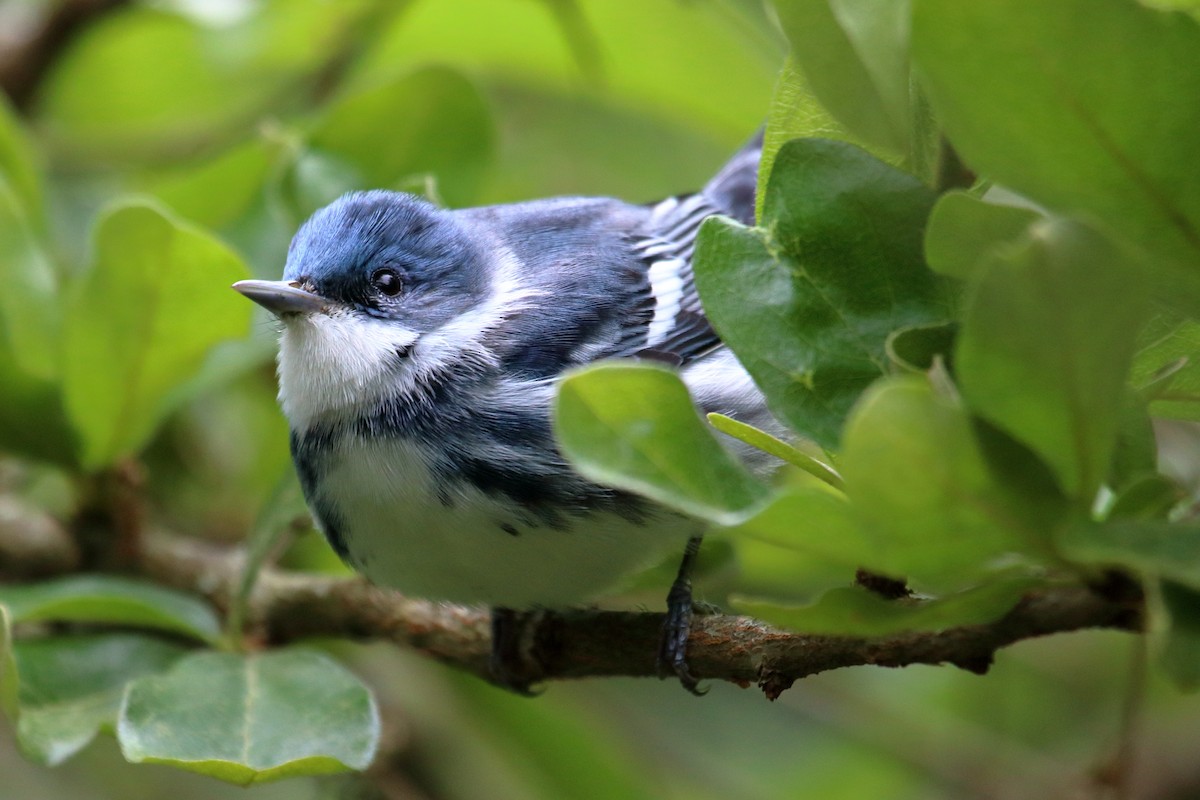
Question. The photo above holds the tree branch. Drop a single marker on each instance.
(289, 606)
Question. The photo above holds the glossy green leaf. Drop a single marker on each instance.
(18, 166)
(114, 96)
(795, 113)
(1180, 655)
(150, 307)
(1151, 497)
(1045, 347)
(251, 719)
(808, 300)
(815, 522)
(570, 144)
(1166, 366)
(777, 447)
(633, 426)
(855, 611)
(32, 420)
(1154, 547)
(71, 687)
(964, 229)
(920, 484)
(854, 54)
(109, 599)
(725, 89)
(918, 348)
(1135, 452)
(1096, 126)
(438, 125)
(216, 191)
(781, 575)
(1182, 5)
(29, 304)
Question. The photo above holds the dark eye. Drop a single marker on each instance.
(387, 281)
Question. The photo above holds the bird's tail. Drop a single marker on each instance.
(732, 189)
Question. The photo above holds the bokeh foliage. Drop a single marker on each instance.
(976, 368)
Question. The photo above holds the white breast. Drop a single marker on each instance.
(400, 534)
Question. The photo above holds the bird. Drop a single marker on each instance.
(419, 355)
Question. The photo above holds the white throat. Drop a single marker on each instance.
(339, 362)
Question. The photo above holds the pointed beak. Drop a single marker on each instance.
(281, 297)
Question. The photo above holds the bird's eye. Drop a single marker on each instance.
(387, 281)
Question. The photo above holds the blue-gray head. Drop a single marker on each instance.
(384, 254)
(378, 292)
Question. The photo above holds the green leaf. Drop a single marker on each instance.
(1154, 547)
(919, 483)
(218, 190)
(9, 680)
(32, 419)
(251, 719)
(808, 300)
(1096, 126)
(312, 180)
(114, 97)
(1046, 343)
(633, 426)
(71, 687)
(963, 230)
(446, 131)
(153, 303)
(815, 522)
(1180, 656)
(855, 55)
(918, 348)
(1135, 452)
(1166, 366)
(18, 166)
(109, 599)
(795, 113)
(29, 304)
(855, 611)
(698, 64)
(1151, 497)
(764, 441)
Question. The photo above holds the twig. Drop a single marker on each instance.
(289, 606)
(33, 544)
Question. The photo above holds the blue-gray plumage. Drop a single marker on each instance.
(417, 366)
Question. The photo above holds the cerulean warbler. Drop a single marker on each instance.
(417, 367)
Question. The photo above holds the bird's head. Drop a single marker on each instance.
(376, 255)
(380, 290)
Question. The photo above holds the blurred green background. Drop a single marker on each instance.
(243, 117)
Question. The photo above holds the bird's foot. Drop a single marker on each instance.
(672, 642)
(513, 664)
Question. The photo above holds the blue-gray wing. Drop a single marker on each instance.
(666, 320)
(620, 276)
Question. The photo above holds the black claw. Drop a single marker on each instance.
(672, 643)
(508, 664)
